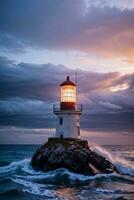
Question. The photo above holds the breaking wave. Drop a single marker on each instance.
(28, 173)
(123, 166)
(34, 188)
(13, 166)
(117, 191)
(45, 183)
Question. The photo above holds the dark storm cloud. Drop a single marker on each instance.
(28, 91)
(10, 43)
(29, 80)
(42, 23)
(67, 24)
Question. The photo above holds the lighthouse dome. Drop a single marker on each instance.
(68, 82)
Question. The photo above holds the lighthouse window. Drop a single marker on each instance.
(77, 122)
(68, 93)
(61, 120)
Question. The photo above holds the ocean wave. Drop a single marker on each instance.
(61, 176)
(48, 190)
(80, 177)
(13, 166)
(38, 191)
(35, 188)
(108, 191)
(122, 166)
(25, 166)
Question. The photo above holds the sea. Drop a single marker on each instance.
(18, 181)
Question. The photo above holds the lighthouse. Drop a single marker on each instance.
(66, 149)
(68, 111)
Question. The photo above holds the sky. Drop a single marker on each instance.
(41, 42)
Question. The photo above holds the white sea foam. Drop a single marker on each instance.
(24, 166)
(34, 188)
(38, 191)
(23, 182)
(13, 166)
(80, 177)
(103, 152)
(70, 175)
(28, 169)
(42, 175)
(108, 191)
(123, 166)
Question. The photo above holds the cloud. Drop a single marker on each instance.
(125, 4)
(8, 42)
(24, 106)
(131, 61)
(103, 29)
(29, 80)
(28, 92)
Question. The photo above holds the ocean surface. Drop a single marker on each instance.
(18, 181)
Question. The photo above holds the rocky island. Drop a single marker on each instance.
(66, 150)
(72, 154)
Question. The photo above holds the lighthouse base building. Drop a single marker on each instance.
(68, 125)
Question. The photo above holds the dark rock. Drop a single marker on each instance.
(93, 169)
(73, 154)
(76, 161)
(71, 148)
(96, 160)
(83, 156)
(59, 150)
(46, 152)
(51, 157)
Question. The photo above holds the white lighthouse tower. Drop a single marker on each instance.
(68, 112)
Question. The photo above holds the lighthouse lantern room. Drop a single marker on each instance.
(68, 112)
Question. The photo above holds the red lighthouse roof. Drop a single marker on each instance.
(68, 82)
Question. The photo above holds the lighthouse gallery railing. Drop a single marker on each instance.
(57, 108)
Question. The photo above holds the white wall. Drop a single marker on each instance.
(69, 127)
